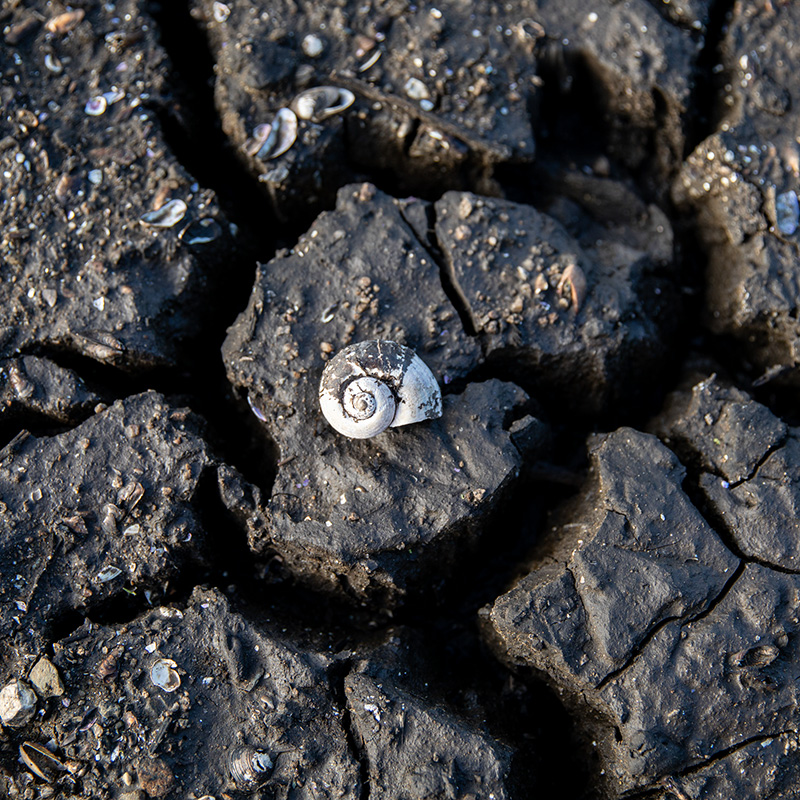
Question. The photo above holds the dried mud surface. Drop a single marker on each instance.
(582, 580)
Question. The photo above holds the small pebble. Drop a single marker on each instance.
(416, 89)
(787, 212)
(46, 680)
(312, 45)
(17, 703)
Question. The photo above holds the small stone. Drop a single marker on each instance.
(155, 777)
(312, 45)
(787, 211)
(136, 794)
(46, 680)
(416, 89)
(17, 703)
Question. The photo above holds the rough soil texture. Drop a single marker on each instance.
(361, 515)
(83, 273)
(107, 507)
(444, 93)
(581, 581)
(577, 322)
(737, 180)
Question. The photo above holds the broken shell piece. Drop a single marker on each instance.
(787, 212)
(221, 12)
(108, 573)
(40, 761)
(169, 214)
(374, 385)
(573, 280)
(271, 140)
(53, 64)
(322, 102)
(65, 22)
(99, 344)
(113, 96)
(247, 765)
(258, 139)
(96, 106)
(163, 675)
(202, 231)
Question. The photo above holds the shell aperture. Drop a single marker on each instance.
(374, 385)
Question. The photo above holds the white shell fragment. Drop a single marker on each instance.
(271, 140)
(108, 573)
(221, 12)
(787, 212)
(163, 675)
(322, 102)
(96, 106)
(202, 231)
(374, 385)
(169, 214)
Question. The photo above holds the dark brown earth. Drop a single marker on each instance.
(581, 581)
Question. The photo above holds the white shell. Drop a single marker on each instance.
(163, 675)
(322, 102)
(273, 139)
(169, 214)
(374, 385)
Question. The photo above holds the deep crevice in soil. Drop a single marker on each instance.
(193, 132)
(338, 675)
(449, 286)
(706, 106)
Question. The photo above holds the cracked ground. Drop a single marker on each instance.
(583, 580)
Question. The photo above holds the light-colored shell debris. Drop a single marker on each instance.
(221, 12)
(163, 675)
(247, 766)
(416, 89)
(272, 139)
(108, 573)
(202, 231)
(65, 22)
(40, 761)
(169, 214)
(96, 106)
(322, 102)
(573, 285)
(371, 386)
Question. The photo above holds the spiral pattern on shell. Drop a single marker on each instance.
(374, 385)
(246, 766)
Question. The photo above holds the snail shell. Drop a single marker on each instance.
(374, 385)
(247, 765)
